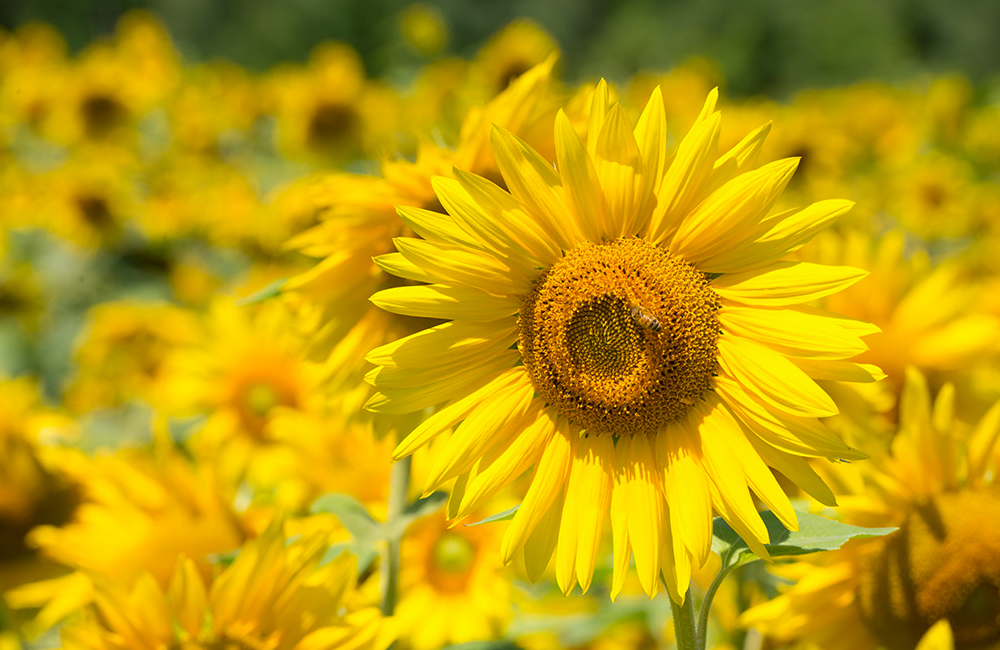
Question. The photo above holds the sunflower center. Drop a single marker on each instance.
(620, 337)
(261, 398)
(453, 554)
(944, 562)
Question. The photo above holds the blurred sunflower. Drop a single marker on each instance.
(274, 596)
(122, 352)
(937, 484)
(31, 492)
(138, 513)
(663, 361)
(241, 373)
(114, 83)
(452, 588)
(331, 110)
(932, 317)
(358, 221)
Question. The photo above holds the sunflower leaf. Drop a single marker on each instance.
(815, 533)
(365, 554)
(351, 513)
(420, 508)
(268, 292)
(500, 516)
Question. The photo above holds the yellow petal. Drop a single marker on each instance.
(546, 486)
(786, 283)
(590, 488)
(775, 237)
(619, 167)
(445, 302)
(581, 184)
(452, 264)
(686, 490)
(531, 179)
(496, 416)
(793, 332)
(773, 378)
(684, 181)
(644, 497)
(721, 222)
(523, 235)
(521, 454)
(455, 411)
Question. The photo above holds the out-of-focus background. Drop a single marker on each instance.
(761, 46)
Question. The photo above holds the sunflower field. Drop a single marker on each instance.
(463, 338)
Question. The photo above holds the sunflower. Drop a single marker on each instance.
(122, 352)
(452, 588)
(937, 484)
(358, 222)
(241, 374)
(627, 326)
(932, 317)
(273, 596)
(138, 513)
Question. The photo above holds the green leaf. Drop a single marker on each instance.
(351, 513)
(268, 292)
(500, 516)
(815, 533)
(419, 508)
(485, 645)
(365, 554)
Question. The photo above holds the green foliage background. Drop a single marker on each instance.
(762, 46)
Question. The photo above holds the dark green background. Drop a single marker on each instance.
(762, 46)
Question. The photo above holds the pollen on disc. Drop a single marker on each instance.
(621, 337)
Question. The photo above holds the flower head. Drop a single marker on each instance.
(625, 323)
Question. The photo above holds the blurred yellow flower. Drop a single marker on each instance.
(139, 512)
(937, 485)
(122, 352)
(452, 585)
(358, 224)
(274, 596)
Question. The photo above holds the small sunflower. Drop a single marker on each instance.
(937, 485)
(625, 323)
(452, 589)
(274, 596)
(358, 222)
(138, 513)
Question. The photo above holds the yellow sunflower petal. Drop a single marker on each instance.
(455, 412)
(686, 490)
(644, 498)
(590, 488)
(445, 302)
(581, 184)
(620, 168)
(793, 332)
(546, 486)
(521, 454)
(720, 223)
(456, 264)
(786, 283)
(685, 178)
(776, 237)
(532, 180)
(542, 542)
(773, 378)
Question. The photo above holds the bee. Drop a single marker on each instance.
(644, 319)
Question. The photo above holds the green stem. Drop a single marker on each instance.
(399, 486)
(706, 604)
(684, 628)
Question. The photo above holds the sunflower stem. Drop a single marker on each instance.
(685, 632)
(399, 486)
